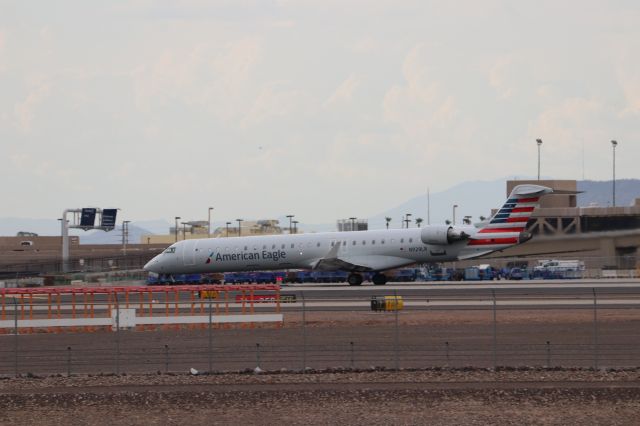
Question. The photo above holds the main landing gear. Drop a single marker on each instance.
(379, 279)
(356, 279)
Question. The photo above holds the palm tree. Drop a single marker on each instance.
(388, 219)
(418, 221)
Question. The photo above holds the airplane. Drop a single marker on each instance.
(373, 251)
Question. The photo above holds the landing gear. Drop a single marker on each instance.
(379, 279)
(354, 279)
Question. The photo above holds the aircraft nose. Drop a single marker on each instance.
(151, 266)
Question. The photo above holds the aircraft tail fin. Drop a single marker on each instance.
(507, 226)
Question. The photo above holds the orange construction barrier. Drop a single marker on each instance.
(96, 302)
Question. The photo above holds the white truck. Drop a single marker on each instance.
(559, 268)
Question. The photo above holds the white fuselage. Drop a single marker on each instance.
(375, 250)
(356, 251)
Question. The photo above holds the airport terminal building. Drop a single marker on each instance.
(604, 237)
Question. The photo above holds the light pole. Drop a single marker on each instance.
(184, 230)
(209, 223)
(239, 226)
(407, 220)
(228, 223)
(290, 216)
(454, 213)
(614, 144)
(539, 142)
(295, 226)
(125, 235)
(176, 227)
(353, 223)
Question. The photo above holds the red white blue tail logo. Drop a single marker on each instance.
(509, 222)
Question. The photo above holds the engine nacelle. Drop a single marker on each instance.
(441, 235)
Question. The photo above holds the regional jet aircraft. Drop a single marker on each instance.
(358, 251)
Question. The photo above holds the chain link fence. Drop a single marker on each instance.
(597, 330)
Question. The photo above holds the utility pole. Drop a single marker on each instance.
(125, 235)
(614, 144)
(209, 223)
(290, 216)
(176, 227)
(539, 142)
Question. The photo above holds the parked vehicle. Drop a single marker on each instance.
(515, 274)
(558, 269)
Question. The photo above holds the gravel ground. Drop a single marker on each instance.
(468, 396)
(432, 396)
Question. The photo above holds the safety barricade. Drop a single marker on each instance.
(56, 309)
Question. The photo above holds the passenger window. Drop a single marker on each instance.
(282, 247)
(364, 242)
(264, 247)
(333, 243)
(344, 243)
(353, 243)
(401, 240)
(273, 247)
(381, 241)
(373, 242)
(318, 244)
(293, 245)
(246, 248)
(410, 240)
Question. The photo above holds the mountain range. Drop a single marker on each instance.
(473, 199)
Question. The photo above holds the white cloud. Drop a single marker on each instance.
(3, 65)
(364, 45)
(628, 74)
(25, 111)
(422, 105)
(274, 102)
(211, 76)
(498, 78)
(570, 122)
(344, 92)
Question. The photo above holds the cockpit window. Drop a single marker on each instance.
(170, 250)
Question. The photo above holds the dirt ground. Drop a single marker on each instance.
(373, 397)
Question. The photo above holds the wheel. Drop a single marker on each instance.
(379, 279)
(354, 279)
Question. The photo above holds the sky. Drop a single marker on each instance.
(322, 109)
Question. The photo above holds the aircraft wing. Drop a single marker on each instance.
(337, 264)
(333, 262)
